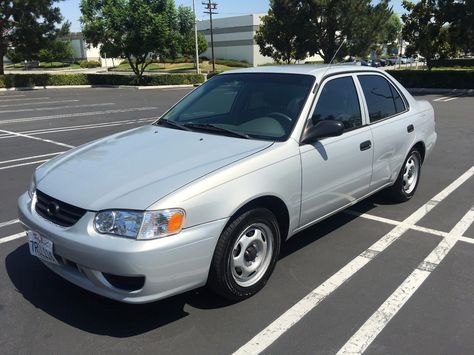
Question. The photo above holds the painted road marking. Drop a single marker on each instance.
(441, 98)
(23, 164)
(8, 223)
(77, 114)
(56, 108)
(30, 98)
(38, 103)
(11, 237)
(38, 139)
(292, 316)
(81, 127)
(29, 158)
(366, 334)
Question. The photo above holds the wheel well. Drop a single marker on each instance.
(275, 205)
(420, 146)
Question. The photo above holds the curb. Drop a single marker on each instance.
(440, 91)
(100, 86)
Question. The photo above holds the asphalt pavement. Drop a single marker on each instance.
(378, 278)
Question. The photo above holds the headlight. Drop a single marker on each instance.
(32, 186)
(140, 225)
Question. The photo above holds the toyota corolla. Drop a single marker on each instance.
(207, 194)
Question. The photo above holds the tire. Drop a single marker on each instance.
(407, 182)
(245, 255)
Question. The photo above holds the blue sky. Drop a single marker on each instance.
(226, 8)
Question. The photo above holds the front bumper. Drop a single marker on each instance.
(169, 265)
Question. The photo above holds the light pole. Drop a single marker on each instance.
(210, 6)
(196, 39)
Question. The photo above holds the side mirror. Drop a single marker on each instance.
(325, 128)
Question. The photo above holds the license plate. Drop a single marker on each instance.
(41, 247)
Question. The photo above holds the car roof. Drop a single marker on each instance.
(316, 70)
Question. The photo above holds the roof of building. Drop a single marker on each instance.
(309, 69)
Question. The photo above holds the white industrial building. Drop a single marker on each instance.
(234, 39)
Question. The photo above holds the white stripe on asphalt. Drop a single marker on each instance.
(453, 98)
(23, 164)
(3, 95)
(441, 98)
(28, 98)
(292, 316)
(38, 139)
(9, 223)
(56, 108)
(11, 237)
(38, 103)
(77, 114)
(29, 158)
(366, 334)
(466, 240)
(82, 127)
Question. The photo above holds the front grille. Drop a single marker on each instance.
(56, 211)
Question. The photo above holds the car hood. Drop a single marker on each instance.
(136, 168)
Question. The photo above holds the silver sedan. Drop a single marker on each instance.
(207, 194)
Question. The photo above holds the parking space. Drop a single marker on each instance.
(377, 278)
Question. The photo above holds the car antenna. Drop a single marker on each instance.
(333, 57)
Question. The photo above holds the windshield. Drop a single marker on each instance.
(253, 105)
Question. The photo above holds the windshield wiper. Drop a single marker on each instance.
(209, 127)
(172, 124)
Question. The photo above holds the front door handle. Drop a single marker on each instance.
(410, 128)
(365, 145)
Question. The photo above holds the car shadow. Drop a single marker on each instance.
(98, 315)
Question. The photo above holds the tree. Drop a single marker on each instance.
(460, 16)
(424, 28)
(25, 25)
(278, 35)
(56, 50)
(134, 29)
(354, 26)
(186, 31)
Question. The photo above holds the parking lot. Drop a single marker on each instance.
(377, 278)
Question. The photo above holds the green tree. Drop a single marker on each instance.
(134, 29)
(460, 16)
(186, 31)
(26, 25)
(278, 35)
(56, 50)
(424, 29)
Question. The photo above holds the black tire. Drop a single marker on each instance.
(399, 192)
(223, 275)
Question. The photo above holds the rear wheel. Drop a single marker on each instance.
(408, 178)
(245, 255)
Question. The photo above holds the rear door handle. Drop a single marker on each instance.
(410, 128)
(365, 145)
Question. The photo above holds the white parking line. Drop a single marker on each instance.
(38, 103)
(38, 139)
(29, 158)
(11, 237)
(77, 114)
(9, 223)
(56, 108)
(25, 99)
(441, 98)
(366, 334)
(23, 164)
(292, 316)
(453, 98)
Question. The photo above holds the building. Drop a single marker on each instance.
(82, 51)
(234, 39)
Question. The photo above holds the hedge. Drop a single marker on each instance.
(460, 62)
(439, 79)
(89, 63)
(29, 80)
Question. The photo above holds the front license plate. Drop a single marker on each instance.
(41, 247)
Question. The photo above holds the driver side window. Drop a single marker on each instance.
(338, 101)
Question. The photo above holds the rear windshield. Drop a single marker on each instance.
(259, 105)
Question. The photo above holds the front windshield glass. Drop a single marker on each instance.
(256, 105)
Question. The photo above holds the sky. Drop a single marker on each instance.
(225, 8)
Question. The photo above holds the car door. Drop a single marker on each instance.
(335, 170)
(391, 124)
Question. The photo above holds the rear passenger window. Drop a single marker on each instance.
(339, 101)
(383, 100)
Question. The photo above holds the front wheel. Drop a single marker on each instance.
(245, 255)
(408, 178)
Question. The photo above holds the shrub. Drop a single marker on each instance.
(89, 64)
(233, 63)
(30, 80)
(459, 62)
(440, 79)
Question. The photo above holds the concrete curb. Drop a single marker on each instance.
(440, 91)
(100, 86)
